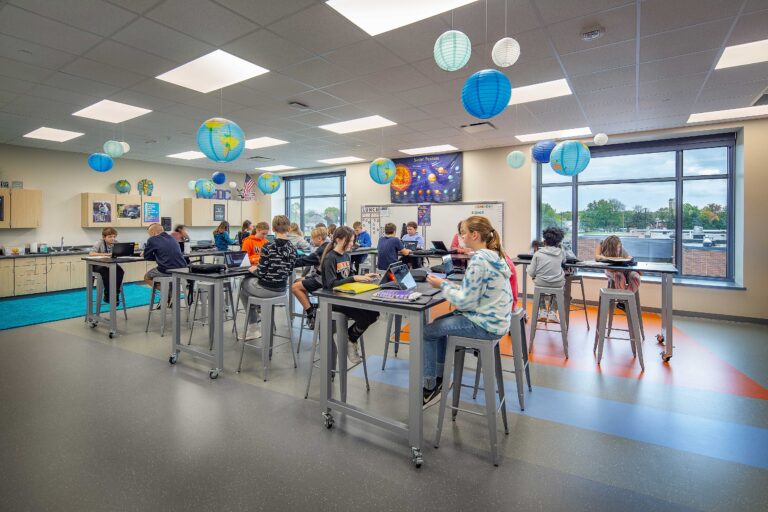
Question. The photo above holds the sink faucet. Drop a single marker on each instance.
(61, 247)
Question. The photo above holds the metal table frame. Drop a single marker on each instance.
(95, 318)
(413, 314)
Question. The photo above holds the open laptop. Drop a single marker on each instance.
(411, 245)
(236, 259)
(122, 249)
(449, 271)
(400, 277)
(440, 248)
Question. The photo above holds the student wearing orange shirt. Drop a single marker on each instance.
(253, 244)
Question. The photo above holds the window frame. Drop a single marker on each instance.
(678, 145)
(301, 179)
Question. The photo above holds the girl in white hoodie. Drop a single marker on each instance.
(483, 301)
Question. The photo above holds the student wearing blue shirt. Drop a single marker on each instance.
(390, 247)
(412, 235)
(221, 237)
(362, 240)
(163, 249)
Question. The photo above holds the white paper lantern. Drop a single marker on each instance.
(126, 147)
(601, 139)
(113, 148)
(232, 184)
(191, 184)
(505, 52)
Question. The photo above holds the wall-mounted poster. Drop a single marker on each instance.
(102, 211)
(128, 211)
(151, 211)
(166, 223)
(427, 179)
(219, 212)
(424, 215)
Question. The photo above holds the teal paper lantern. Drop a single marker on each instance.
(100, 162)
(205, 188)
(382, 170)
(218, 178)
(220, 139)
(191, 184)
(486, 93)
(516, 159)
(268, 183)
(113, 148)
(569, 158)
(541, 151)
(452, 50)
(123, 186)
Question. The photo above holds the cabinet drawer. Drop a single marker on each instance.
(6, 263)
(30, 262)
(26, 287)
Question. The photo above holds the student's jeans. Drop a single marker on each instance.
(104, 273)
(436, 338)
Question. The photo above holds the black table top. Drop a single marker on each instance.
(109, 259)
(226, 274)
(365, 299)
(641, 266)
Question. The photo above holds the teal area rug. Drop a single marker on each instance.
(50, 307)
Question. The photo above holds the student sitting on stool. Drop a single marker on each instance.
(546, 268)
(104, 248)
(304, 286)
(412, 235)
(390, 247)
(362, 241)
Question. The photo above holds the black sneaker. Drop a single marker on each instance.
(311, 316)
(432, 396)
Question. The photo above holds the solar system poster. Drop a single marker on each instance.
(427, 179)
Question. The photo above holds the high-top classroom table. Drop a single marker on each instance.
(414, 314)
(94, 318)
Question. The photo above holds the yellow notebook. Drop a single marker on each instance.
(355, 288)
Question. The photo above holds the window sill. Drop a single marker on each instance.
(678, 281)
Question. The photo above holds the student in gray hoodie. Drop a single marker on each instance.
(546, 268)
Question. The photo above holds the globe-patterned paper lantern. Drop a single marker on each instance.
(145, 187)
(218, 178)
(123, 186)
(516, 159)
(452, 50)
(126, 147)
(100, 162)
(191, 184)
(569, 158)
(601, 139)
(486, 93)
(220, 139)
(505, 52)
(205, 188)
(113, 148)
(268, 183)
(382, 171)
(541, 151)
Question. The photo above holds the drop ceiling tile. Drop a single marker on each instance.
(265, 12)
(527, 73)
(14, 85)
(138, 6)
(127, 57)
(56, 94)
(15, 69)
(276, 87)
(89, 15)
(450, 107)
(750, 28)
(534, 47)
(40, 108)
(407, 115)
(672, 87)
(92, 70)
(661, 15)
(396, 79)
(738, 75)
(354, 90)
(302, 29)
(697, 38)
(426, 125)
(318, 72)
(74, 83)
(318, 100)
(750, 90)
(347, 112)
(553, 11)
(364, 57)
(429, 69)
(32, 27)
(615, 96)
(413, 42)
(619, 23)
(202, 19)
(600, 59)
(428, 94)
(755, 5)
(165, 42)
(268, 50)
(561, 104)
(691, 64)
(6, 97)
(710, 101)
(584, 84)
(313, 119)
(552, 120)
(32, 53)
(135, 98)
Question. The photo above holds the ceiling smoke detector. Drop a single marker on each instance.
(592, 33)
(478, 127)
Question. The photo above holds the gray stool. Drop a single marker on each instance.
(304, 321)
(338, 319)
(398, 321)
(572, 279)
(493, 383)
(268, 328)
(203, 293)
(519, 357)
(161, 285)
(608, 298)
(559, 294)
(100, 295)
(612, 284)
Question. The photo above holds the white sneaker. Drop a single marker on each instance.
(552, 317)
(253, 331)
(353, 354)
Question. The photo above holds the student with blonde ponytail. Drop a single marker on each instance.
(483, 301)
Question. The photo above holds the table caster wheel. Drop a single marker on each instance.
(666, 357)
(213, 374)
(173, 358)
(112, 335)
(92, 324)
(660, 339)
(416, 457)
(329, 422)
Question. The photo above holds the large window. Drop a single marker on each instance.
(316, 198)
(668, 201)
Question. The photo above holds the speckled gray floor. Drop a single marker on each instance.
(87, 423)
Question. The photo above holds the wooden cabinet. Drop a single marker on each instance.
(151, 210)
(235, 216)
(77, 272)
(5, 208)
(21, 208)
(127, 211)
(6, 278)
(58, 276)
(97, 210)
(204, 212)
(30, 276)
(134, 271)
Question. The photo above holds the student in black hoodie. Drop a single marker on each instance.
(270, 277)
(304, 286)
(336, 270)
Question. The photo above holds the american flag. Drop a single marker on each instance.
(248, 187)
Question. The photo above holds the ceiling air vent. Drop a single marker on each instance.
(478, 127)
(260, 158)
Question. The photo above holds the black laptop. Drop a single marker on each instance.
(440, 248)
(411, 245)
(449, 271)
(122, 249)
(234, 259)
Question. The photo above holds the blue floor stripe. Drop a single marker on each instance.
(733, 442)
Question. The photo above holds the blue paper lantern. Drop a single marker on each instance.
(100, 162)
(569, 158)
(268, 183)
(486, 93)
(382, 170)
(218, 178)
(113, 148)
(516, 159)
(205, 188)
(452, 50)
(541, 151)
(220, 139)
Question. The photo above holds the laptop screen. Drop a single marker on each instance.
(439, 245)
(122, 249)
(234, 259)
(399, 273)
(411, 245)
(447, 264)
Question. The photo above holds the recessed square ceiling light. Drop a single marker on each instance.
(187, 155)
(53, 134)
(358, 125)
(557, 134)
(342, 160)
(263, 142)
(743, 54)
(377, 16)
(733, 113)
(275, 168)
(542, 91)
(216, 70)
(442, 148)
(111, 111)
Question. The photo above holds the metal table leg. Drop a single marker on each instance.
(113, 294)
(176, 337)
(415, 385)
(326, 360)
(666, 317)
(218, 331)
(89, 293)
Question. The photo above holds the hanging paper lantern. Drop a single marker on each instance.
(486, 93)
(220, 139)
(601, 139)
(123, 186)
(232, 184)
(516, 159)
(126, 147)
(382, 171)
(505, 52)
(218, 178)
(541, 151)
(452, 50)
(113, 148)
(191, 184)
(100, 162)
(145, 187)
(569, 158)
(205, 188)
(268, 183)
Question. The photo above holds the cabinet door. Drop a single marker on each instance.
(30, 276)
(134, 271)
(234, 216)
(26, 208)
(6, 278)
(128, 210)
(58, 277)
(151, 210)
(77, 274)
(5, 208)
(97, 210)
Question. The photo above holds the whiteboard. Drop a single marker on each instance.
(443, 222)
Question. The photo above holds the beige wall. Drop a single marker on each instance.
(62, 176)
